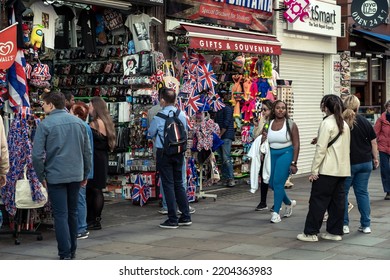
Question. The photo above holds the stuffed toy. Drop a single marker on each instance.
(247, 88)
(267, 67)
(36, 36)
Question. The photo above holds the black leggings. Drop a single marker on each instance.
(263, 186)
(95, 203)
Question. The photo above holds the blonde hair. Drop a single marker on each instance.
(351, 107)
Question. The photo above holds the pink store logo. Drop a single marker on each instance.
(296, 9)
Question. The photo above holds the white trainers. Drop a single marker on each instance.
(163, 211)
(307, 237)
(192, 210)
(329, 236)
(275, 218)
(346, 229)
(288, 211)
(364, 229)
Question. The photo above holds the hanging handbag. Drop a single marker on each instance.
(169, 79)
(23, 195)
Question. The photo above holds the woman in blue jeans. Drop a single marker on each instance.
(283, 138)
(363, 150)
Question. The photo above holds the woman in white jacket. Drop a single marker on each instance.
(330, 168)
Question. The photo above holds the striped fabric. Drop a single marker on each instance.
(18, 89)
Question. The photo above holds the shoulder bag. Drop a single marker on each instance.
(23, 195)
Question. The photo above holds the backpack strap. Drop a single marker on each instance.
(161, 115)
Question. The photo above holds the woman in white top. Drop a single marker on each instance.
(283, 138)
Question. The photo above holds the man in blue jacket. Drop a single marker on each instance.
(62, 160)
(170, 167)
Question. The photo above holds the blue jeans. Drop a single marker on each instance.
(280, 169)
(224, 152)
(64, 200)
(170, 169)
(82, 210)
(184, 170)
(360, 174)
(385, 171)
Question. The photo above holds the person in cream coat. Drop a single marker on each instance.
(330, 167)
(4, 160)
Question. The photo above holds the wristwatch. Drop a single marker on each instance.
(294, 163)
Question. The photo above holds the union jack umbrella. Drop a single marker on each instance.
(141, 191)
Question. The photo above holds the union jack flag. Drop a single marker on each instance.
(191, 189)
(141, 191)
(194, 58)
(184, 60)
(18, 90)
(216, 102)
(206, 76)
(193, 104)
(188, 87)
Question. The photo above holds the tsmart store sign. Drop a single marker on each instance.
(324, 19)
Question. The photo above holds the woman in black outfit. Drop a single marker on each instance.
(103, 131)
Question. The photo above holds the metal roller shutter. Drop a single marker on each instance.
(306, 70)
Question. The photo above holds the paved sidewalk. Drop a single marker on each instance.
(227, 228)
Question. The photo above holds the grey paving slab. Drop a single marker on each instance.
(253, 250)
(298, 254)
(205, 255)
(195, 243)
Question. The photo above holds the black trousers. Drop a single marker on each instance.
(327, 193)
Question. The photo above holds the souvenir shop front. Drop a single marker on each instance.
(214, 61)
(77, 47)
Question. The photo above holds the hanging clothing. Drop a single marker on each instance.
(19, 149)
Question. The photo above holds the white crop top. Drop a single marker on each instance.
(279, 139)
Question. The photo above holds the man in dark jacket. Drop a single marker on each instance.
(224, 118)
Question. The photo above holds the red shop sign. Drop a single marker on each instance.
(8, 46)
(226, 45)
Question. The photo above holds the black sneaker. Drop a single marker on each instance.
(95, 226)
(169, 224)
(261, 207)
(83, 235)
(184, 222)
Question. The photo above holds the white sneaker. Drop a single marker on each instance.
(329, 236)
(275, 218)
(288, 211)
(192, 210)
(163, 211)
(346, 229)
(307, 237)
(364, 229)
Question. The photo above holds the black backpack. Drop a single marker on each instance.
(175, 135)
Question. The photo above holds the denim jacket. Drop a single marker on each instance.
(61, 150)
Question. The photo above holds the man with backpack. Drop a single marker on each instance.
(169, 127)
